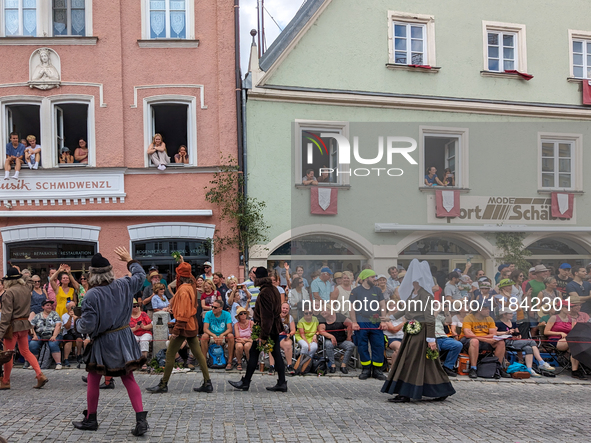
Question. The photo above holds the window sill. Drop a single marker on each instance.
(328, 185)
(577, 80)
(168, 43)
(565, 191)
(494, 74)
(397, 67)
(48, 41)
(442, 188)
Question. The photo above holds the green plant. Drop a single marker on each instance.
(511, 243)
(244, 214)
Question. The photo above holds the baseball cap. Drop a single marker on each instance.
(501, 267)
(484, 284)
(65, 149)
(532, 270)
(458, 270)
(565, 266)
(327, 270)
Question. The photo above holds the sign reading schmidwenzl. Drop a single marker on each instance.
(501, 210)
(64, 185)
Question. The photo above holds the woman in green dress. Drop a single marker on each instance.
(413, 375)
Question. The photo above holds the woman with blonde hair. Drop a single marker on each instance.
(239, 290)
(157, 152)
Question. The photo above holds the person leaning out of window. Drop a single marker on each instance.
(65, 156)
(157, 152)
(182, 156)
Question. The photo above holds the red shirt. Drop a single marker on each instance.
(145, 321)
(210, 298)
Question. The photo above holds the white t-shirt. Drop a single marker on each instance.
(399, 334)
(455, 321)
(452, 291)
(65, 319)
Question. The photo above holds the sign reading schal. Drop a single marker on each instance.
(501, 210)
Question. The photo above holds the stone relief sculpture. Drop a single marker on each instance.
(44, 69)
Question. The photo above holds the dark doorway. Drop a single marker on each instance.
(24, 120)
(170, 121)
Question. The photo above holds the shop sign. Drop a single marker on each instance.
(501, 211)
(66, 184)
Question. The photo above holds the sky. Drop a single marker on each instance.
(281, 10)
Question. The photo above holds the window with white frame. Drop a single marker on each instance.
(557, 164)
(20, 18)
(174, 118)
(502, 51)
(43, 18)
(444, 149)
(167, 19)
(411, 38)
(504, 47)
(69, 17)
(581, 53)
(317, 152)
(409, 44)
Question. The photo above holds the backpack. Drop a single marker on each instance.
(161, 358)
(216, 358)
(489, 367)
(319, 365)
(303, 365)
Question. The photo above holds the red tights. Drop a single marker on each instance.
(133, 390)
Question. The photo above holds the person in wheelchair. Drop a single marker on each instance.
(557, 329)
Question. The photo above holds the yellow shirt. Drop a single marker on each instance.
(61, 298)
(478, 327)
(309, 329)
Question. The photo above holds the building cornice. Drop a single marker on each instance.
(416, 102)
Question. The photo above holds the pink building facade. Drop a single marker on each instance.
(114, 73)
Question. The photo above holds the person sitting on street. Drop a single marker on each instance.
(32, 152)
(217, 325)
(505, 326)
(337, 331)
(242, 332)
(479, 333)
(71, 335)
(141, 326)
(15, 154)
(446, 343)
(47, 328)
(306, 334)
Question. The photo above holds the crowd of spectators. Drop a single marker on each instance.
(513, 312)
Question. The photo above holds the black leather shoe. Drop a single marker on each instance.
(278, 387)
(439, 398)
(206, 386)
(504, 374)
(160, 388)
(344, 370)
(240, 384)
(450, 372)
(141, 425)
(332, 369)
(472, 373)
(111, 385)
(365, 373)
(378, 374)
(399, 399)
(85, 379)
(89, 422)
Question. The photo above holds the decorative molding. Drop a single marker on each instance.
(106, 213)
(424, 103)
(50, 231)
(48, 41)
(396, 67)
(44, 69)
(168, 43)
(438, 228)
(97, 85)
(170, 169)
(152, 231)
(11, 203)
(201, 87)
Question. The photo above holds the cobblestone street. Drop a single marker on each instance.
(328, 409)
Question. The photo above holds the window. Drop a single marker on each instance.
(315, 152)
(168, 18)
(175, 119)
(24, 119)
(20, 18)
(560, 165)
(69, 17)
(71, 126)
(504, 47)
(502, 51)
(409, 44)
(411, 39)
(581, 59)
(444, 148)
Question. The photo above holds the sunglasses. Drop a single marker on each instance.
(82, 279)
(37, 281)
(242, 313)
(217, 307)
(136, 306)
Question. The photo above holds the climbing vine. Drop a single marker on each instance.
(511, 243)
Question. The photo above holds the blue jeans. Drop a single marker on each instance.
(453, 347)
(36, 345)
